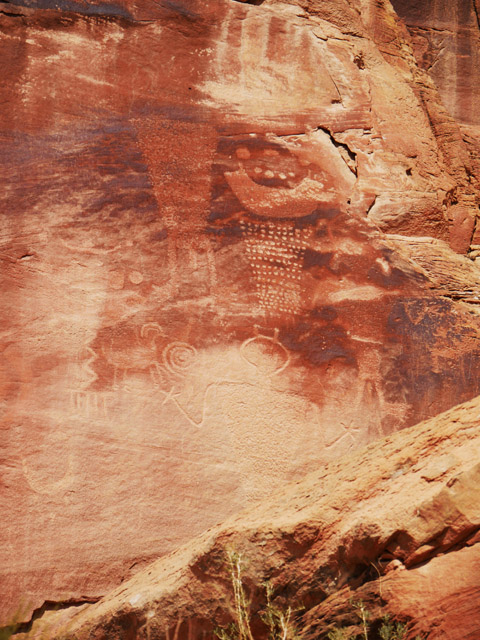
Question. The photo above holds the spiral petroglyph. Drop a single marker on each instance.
(179, 357)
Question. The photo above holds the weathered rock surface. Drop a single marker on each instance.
(395, 525)
(200, 297)
(446, 38)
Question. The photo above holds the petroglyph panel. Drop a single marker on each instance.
(275, 253)
(253, 50)
(182, 191)
(195, 306)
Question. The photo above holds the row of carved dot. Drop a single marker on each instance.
(290, 263)
(277, 230)
(269, 241)
(284, 305)
(276, 260)
(273, 237)
(287, 254)
(281, 307)
(272, 174)
(260, 249)
(285, 237)
(285, 264)
(291, 297)
(259, 244)
(281, 266)
(285, 309)
(287, 260)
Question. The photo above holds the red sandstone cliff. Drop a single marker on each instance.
(233, 244)
(395, 526)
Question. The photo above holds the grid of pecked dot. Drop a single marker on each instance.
(275, 253)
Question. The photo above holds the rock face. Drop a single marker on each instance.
(206, 289)
(445, 38)
(395, 526)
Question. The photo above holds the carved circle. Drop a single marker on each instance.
(179, 357)
(266, 354)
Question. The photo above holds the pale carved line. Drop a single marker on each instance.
(275, 341)
(53, 487)
(348, 431)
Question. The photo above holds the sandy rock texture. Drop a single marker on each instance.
(206, 288)
(394, 526)
(445, 39)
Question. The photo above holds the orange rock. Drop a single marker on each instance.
(394, 526)
(202, 295)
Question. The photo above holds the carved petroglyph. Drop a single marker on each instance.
(275, 254)
(90, 374)
(89, 248)
(182, 194)
(266, 354)
(267, 428)
(92, 404)
(129, 350)
(247, 57)
(280, 191)
(188, 255)
(179, 357)
(45, 454)
(196, 418)
(371, 389)
(123, 351)
(39, 482)
(349, 431)
(296, 202)
(83, 401)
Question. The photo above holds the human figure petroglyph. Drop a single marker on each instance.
(187, 254)
(275, 253)
(371, 384)
(182, 194)
(283, 188)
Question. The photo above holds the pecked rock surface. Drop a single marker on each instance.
(395, 525)
(206, 288)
